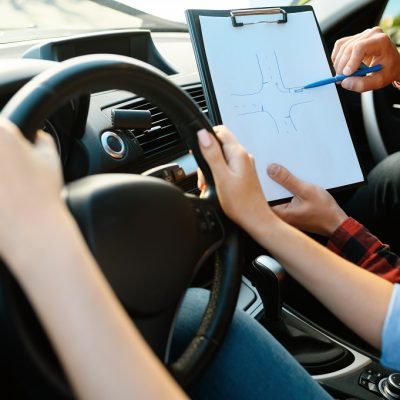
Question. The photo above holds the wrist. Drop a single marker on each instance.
(338, 218)
(262, 225)
(41, 241)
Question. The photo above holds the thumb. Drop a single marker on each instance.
(363, 84)
(286, 179)
(212, 152)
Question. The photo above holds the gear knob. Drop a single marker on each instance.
(266, 275)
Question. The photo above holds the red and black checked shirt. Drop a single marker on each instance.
(355, 243)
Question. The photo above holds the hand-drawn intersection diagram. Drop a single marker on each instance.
(272, 97)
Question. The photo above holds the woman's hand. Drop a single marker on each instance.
(370, 47)
(31, 182)
(312, 208)
(235, 177)
(42, 245)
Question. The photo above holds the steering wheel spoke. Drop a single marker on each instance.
(210, 225)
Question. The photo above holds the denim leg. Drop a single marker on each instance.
(377, 205)
(250, 364)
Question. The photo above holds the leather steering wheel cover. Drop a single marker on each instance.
(95, 73)
(43, 95)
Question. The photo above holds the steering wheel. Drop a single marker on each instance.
(148, 237)
(381, 116)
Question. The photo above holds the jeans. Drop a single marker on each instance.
(250, 363)
(377, 205)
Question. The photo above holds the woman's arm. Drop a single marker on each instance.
(102, 352)
(313, 209)
(359, 298)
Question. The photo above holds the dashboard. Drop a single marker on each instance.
(115, 131)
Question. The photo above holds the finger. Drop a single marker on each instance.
(225, 135)
(363, 84)
(348, 45)
(201, 186)
(212, 152)
(8, 127)
(338, 45)
(365, 48)
(45, 142)
(359, 52)
(45, 139)
(344, 53)
(233, 151)
(286, 179)
(11, 138)
(201, 180)
(362, 40)
(46, 148)
(252, 160)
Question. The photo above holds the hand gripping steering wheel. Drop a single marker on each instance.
(148, 237)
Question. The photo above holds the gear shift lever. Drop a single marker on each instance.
(317, 353)
(267, 275)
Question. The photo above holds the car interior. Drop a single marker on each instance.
(123, 107)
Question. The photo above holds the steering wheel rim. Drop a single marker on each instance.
(41, 96)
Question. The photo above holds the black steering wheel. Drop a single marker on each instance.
(148, 237)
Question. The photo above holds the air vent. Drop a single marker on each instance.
(197, 94)
(163, 137)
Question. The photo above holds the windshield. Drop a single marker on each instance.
(23, 20)
(29, 20)
(176, 12)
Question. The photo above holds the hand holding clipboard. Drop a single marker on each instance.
(253, 65)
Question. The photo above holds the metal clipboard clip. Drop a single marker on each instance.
(258, 16)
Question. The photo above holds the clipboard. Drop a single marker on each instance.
(256, 25)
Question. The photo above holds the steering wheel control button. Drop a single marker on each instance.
(113, 145)
(211, 220)
(201, 220)
(207, 220)
(390, 386)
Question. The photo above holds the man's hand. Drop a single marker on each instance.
(312, 208)
(370, 47)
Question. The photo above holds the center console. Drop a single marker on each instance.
(344, 372)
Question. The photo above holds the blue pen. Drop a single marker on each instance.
(338, 78)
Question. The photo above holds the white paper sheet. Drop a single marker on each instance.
(257, 72)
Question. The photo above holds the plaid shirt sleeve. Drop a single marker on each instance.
(355, 243)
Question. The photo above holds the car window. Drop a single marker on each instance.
(390, 21)
(25, 20)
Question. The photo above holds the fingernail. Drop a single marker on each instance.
(347, 84)
(273, 169)
(346, 70)
(204, 138)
